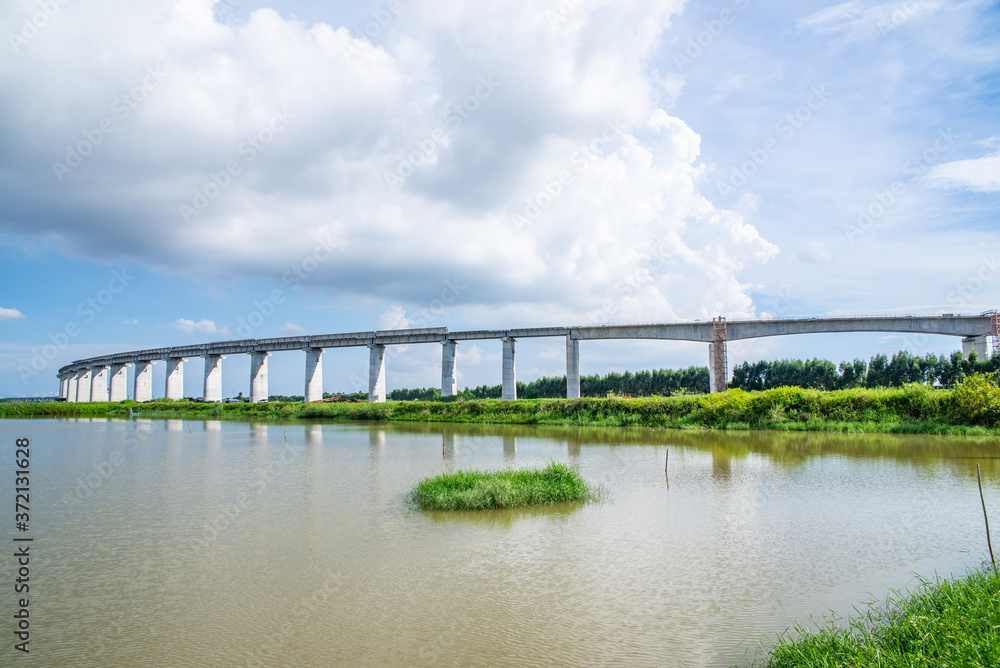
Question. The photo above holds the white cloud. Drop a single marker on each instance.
(393, 317)
(816, 252)
(10, 314)
(133, 321)
(978, 175)
(855, 20)
(202, 325)
(291, 329)
(470, 133)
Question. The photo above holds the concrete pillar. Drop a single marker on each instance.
(71, 386)
(376, 374)
(314, 375)
(977, 343)
(258, 377)
(449, 380)
(83, 386)
(99, 383)
(213, 378)
(62, 386)
(572, 368)
(142, 384)
(509, 387)
(119, 382)
(175, 378)
(711, 368)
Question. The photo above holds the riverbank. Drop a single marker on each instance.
(942, 623)
(973, 407)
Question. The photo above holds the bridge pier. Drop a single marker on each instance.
(509, 386)
(83, 386)
(117, 383)
(449, 379)
(258, 377)
(376, 373)
(314, 375)
(572, 368)
(175, 378)
(71, 384)
(142, 384)
(213, 378)
(62, 386)
(99, 383)
(977, 343)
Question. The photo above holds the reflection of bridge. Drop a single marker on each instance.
(104, 377)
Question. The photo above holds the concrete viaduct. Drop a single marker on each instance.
(104, 378)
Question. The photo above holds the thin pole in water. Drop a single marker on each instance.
(666, 460)
(979, 478)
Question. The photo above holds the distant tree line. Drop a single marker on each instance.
(660, 382)
(879, 371)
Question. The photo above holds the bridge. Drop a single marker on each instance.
(104, 378)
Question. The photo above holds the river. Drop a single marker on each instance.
(227, 543)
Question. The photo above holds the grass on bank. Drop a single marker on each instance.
(972, 407)
(942, 623)
(482, 490)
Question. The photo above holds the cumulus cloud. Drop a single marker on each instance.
(10, 314)
(545, 178)
(202, 325)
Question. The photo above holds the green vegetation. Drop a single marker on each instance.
(480, 490)
(943, 623)
(972, 407)
(880, 371)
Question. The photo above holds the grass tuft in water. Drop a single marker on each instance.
(481, 490)
(942, 623)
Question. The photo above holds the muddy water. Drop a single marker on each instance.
(179, 543)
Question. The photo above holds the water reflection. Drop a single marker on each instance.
(745, 534)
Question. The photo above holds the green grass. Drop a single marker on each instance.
(481, 490)
(971, 408)
(943, 623)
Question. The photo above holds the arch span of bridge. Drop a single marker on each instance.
(104, 378)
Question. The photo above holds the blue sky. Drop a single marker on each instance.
(172, 171)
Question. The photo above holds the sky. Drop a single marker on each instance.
(182, 171)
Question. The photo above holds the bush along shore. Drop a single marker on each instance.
(971, 407)
(942, 623)
(483, 490)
